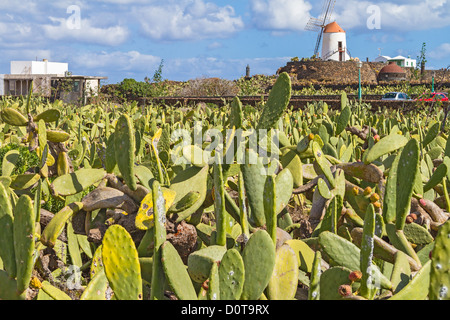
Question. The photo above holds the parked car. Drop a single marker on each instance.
(434, 96)
(397, 96)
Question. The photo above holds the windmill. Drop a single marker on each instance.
(318, 24)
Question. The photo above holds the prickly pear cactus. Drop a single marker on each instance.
(121, 264)
(176, 273)
(231, 275)
(284, 281)
(259, 261)
(124, 147)
(277, 102)
(440, 265)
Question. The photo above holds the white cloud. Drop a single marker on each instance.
(187, 20)
(119, 61)
(404, 16)
(280, 15)
(441, 52)
(111, 36)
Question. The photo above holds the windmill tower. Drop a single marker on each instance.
(319, 24)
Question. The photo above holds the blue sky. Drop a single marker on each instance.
(210, 38)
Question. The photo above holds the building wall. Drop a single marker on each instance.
(21, 67)
(330, 44)
(91, 87)
(38, 67)
(2, 84)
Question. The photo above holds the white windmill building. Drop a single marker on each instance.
(332, 36)
(334, 44)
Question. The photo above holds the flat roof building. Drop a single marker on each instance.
(50, 79)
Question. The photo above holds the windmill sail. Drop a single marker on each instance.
(318, 24)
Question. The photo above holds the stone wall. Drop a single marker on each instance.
(346, 73)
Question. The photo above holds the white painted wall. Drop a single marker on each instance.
(330, 44)
(2, 84)
(383, 59)
(38, 67)
(91, 87)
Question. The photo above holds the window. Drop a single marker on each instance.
(76, 86)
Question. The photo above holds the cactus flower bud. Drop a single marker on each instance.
(345, 290)
(374, 197)
(377, 204)
(355, 191)
(414, 216)
(376, 137)
(311, 136)
(367, 191)
(423, 203)
(35, 283)
(355, 276)
(409, 219)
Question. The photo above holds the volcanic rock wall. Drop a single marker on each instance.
(346, 73)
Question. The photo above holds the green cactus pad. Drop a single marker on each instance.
(186, 202)
(53, 292)
(386, 145)
(284, 281)
(401, 273)
(316, 272)
(124, 147)
(214, 283)
(56, 225)
(436, 177)
(368, 287)
(57, 136)
(342, 121)
(24, 229)
(176, 273)
(231, 275)
(50, 115)
(417, 234)
(97, 262)
(277, 102)
(236, 114)
(305, 255)
(440, 265)
(8, 287)
(323, 163)
(110, 157)
(323, 189)
(7, 253)
(97, 287)
(254, 182)
(293, 163)
(431, 134)
(13, 117)
(144, 217)
(72, 183)
(259, 262)
(9, 162)
(330, 281)
(193, 179)
(24, 181)
(340, 251)
(407, 167)
(121, 263)
(200, 262)
(416, 288)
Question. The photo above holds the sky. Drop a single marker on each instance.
(210, 38)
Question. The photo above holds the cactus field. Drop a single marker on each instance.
(158, 202)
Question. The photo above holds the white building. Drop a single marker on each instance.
(50, 79)
(334, 43)
(404, 62)
(401, 61)
(383, 59)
